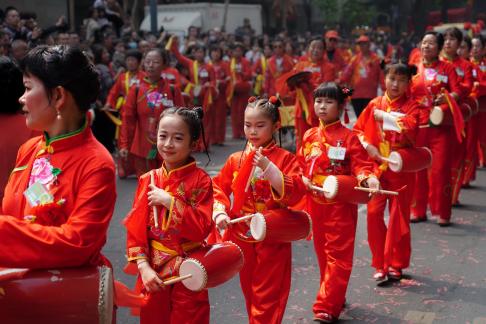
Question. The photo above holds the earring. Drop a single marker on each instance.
(58, 115)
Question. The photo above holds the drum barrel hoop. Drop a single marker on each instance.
(105, 307)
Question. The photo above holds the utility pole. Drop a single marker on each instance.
(153, 17)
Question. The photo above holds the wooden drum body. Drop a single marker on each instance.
(410, 159)
(281, 225)
(341, 188)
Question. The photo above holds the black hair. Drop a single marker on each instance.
(268, 106)
(98, 50)
(11, 86)
(438, 37)
(135, 54)
(67, 67)
(8, 9)
(216, 48)
(455, 33)
(401, 69)
(333, 91)
(468, 42)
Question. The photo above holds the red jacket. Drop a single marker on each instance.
(121, 88)
(364, 75)
(79, 174)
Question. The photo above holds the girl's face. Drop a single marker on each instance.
(259, 127)
(153, 64)
(451, 45)
(39, 113)
(476, 49)
(327, 109)
(429, 47)
(174, 141)
(396, 84)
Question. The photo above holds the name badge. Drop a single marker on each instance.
(475, 73)
(363, 73)
(37, 193)
(483, 68)
(430, 74)
(336, 153)
(442, 78)
(460, 72)
(167, 102)
(203, 73)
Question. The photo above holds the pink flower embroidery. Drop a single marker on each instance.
(42, 171)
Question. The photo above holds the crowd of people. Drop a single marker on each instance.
(153, 100)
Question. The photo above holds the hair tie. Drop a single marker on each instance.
(252, 99)
(273, 100)
(345, 90)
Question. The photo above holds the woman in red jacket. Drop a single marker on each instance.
(60, 197)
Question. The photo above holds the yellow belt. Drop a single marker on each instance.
(185, 247)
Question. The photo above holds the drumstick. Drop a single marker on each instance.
(319, 189)
(177, 279)
(379, 191)
(154, 208)
(241, 219)
(388, 160)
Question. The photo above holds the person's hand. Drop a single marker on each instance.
(222, 221)
(123, 153)
(61, 21)
(150, 279)
(260, 160)
(372, 183)
(158, 196)
(307, 182)
(378, 114)
(373, 152)
(440, 99)
(106, 107)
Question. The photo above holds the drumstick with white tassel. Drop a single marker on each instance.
(377, 191)
(154, 208)
(176, 279)
(242, 219)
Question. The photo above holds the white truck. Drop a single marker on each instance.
(177, 18)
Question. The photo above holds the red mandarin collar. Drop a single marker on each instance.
(65, 141)
(397, 102)
(331, 126)
(180, 171)
(266, 150)
(431, 65)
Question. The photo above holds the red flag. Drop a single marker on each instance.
(240, 185)
(456, 115)
(371, 131)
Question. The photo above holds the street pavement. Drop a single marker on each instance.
(445, 283)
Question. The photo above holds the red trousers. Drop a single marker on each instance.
(433, 186)
(217, 121)
(471, 158)
(176, 305)
(238, 106)
(265, 280)
(391, 246)
(334, 230)
(457, 165)
(482, 133)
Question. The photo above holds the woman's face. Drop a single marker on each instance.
(316, 50)
(476, 49)
(429, 47)
(153, 64)
(39, 113)
(451, 45)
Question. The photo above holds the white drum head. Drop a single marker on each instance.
(436, 116)
(258, 227)
(397, 164)
(330, 186)
(199, 277)
(105, 301)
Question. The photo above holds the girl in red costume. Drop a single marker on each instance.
(333, 223)
(433, 186)
(61, 194)
(183, 197)
(389, 123)
(275, 184)
(142, 110)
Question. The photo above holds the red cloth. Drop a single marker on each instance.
(187, 221)
(142, 109)
(9, 145)
(415, 57)
(333, 223)
(274, 71)
(238, 92)
(122, 86)
(265, 277)
(390, 246)
(86, 183)
(172, 76)
(364, 75)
